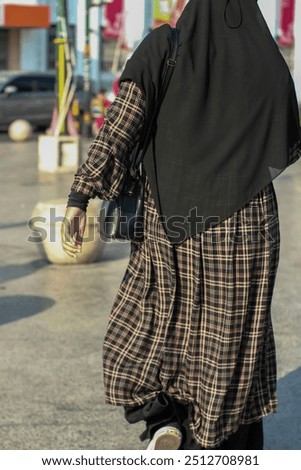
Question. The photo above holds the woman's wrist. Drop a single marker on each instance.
(77, 199)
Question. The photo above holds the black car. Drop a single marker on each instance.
(30, 96)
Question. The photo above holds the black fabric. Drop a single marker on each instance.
(229, 119)
(157, 413)
(163, 411)
(77, 199)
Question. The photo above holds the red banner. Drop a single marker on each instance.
(286, 23)
(113, 13)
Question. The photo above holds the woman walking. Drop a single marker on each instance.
(189, 347)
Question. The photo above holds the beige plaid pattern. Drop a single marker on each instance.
(192, 319)
(103, 172)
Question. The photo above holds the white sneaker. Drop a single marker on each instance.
(166, 438)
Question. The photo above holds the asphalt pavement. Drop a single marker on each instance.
(53, 319)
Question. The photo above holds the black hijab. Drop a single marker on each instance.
(229, 121)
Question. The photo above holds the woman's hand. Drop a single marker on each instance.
(72, 231)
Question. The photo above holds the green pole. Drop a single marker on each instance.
(60, 41)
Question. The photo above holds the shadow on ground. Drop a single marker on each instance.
(17, 307)
(11, 272)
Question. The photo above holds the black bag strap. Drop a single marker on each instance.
(167, 73)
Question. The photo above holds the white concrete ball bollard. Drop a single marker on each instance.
(46, 223)
(20, 130)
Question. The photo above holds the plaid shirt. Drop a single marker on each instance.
(102, 174)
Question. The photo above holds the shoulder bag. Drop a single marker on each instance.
(122, 218)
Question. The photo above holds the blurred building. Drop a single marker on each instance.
(28, 29)
(23, 34)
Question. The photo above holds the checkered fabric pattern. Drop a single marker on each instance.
(103, 172)
(194, 319)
